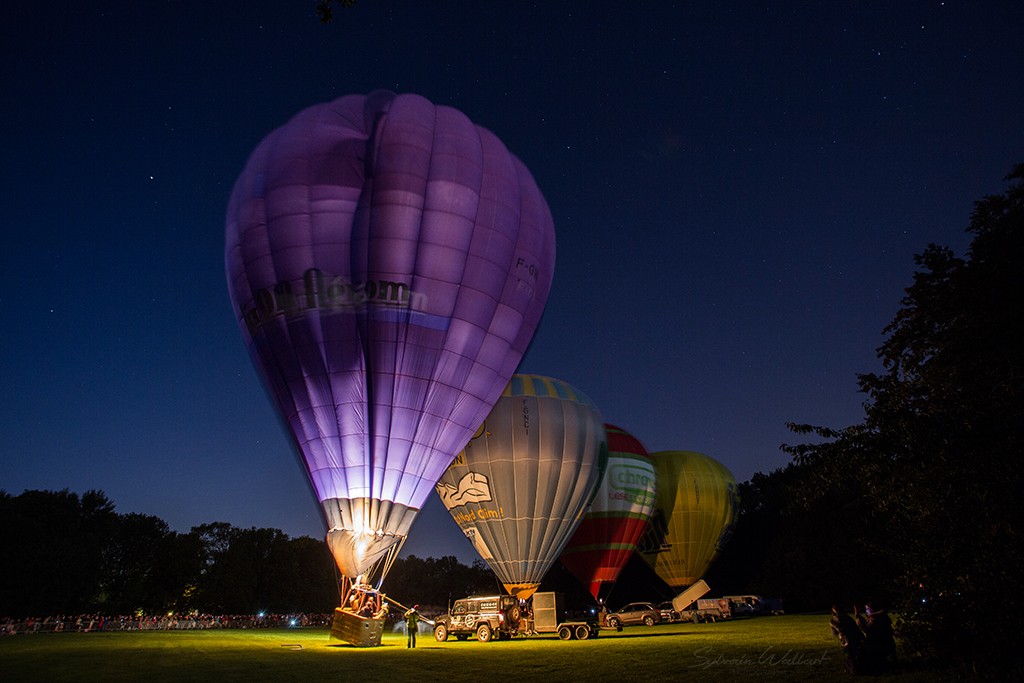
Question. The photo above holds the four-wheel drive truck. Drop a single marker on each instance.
(487, 617)
(501, 616)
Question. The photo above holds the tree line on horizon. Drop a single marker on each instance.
(71, 554)
(913, 508)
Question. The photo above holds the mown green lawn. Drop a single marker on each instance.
(791, 648)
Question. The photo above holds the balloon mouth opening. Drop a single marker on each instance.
(522, 591)
(356, 552)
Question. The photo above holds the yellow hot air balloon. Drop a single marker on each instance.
(693, 518)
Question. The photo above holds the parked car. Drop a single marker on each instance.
(668, 614)
(634, 613)
(750, 605)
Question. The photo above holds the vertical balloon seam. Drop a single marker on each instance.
(544, 533)
(566, 409)
(571, 407)
(695, 522)
(546, 257)
(399, 379)
(493, 535)
(598, 469)
(513, 562)
(359, 393)
(339, 456)
(713, 511)
(721, 507)
(510, 365)
(688, 521)
(445, 348)
(285, 399)
(365, 330)
(710, 514)
(394, 331)
(357, 397)
(493, 157)
(370, 505)
(359, 254)
(294, 327)
(665, 501)
(516, 563)
(570, 411)
(585, 471)
(309, 320)
(501, 543)
(523, 530)
(585, 478)
(470, 528)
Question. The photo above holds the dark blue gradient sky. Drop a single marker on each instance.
(738, 192)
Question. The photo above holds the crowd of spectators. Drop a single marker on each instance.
(85, 623)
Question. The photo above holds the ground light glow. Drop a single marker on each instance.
(790, 648)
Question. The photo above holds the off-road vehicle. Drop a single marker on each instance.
(492, 616)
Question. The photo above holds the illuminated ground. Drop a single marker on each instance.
(784, 648)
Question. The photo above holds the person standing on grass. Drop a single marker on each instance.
(879, 641)
(412, 622)
(851, 638)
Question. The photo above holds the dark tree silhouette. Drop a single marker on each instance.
(53, 550)
(65, 554)
(325, 9)
(937, 457)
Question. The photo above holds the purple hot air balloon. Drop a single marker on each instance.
(388, 262)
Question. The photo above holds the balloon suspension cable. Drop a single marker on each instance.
(386, 562)
(356, 588)
(344, 588)
(356, 593)
(339, 581)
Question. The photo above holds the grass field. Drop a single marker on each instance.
(790, 648)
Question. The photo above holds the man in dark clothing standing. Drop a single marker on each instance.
(879, 641)
(412, 621)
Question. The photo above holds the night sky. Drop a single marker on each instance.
(738, 191)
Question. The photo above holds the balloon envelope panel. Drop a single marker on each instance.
(618, 516)
(388, 262)
(694, 515)
(521, 485)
